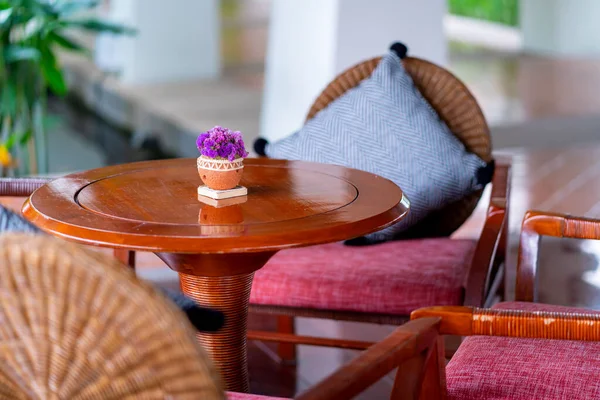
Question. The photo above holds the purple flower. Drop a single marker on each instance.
(201, 139)
(210, 153)
(221, 143)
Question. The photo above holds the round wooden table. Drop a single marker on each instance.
(153, 206)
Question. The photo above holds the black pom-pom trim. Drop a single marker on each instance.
(485, 174)
(400, 49)
(259, 146)
(361, 241)
(203, 319)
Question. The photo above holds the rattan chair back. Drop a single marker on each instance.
(76, 324)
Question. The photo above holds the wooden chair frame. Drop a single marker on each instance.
(417, 348)
(469, 321)
(535, 225)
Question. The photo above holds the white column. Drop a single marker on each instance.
(561, 27)
(177, 40)
(311, 41)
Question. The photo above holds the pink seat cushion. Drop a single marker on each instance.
(510, 368)
(246, 396)
(390, 278)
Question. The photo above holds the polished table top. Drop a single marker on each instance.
(153, 206)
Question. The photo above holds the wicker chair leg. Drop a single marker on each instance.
(286, 351)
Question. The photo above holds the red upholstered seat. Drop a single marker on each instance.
(508, 368)
(246, 396)
(390, 278)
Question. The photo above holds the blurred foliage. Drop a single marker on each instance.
(501, 11)
(31, 32)
(230, 8)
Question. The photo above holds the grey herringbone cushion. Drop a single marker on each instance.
(385, 126)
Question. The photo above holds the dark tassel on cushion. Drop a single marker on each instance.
(259, 146)
(400, 49)
(203, 319)
(485, 174)
(362, 241)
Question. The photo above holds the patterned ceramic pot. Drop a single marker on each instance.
(220, 174)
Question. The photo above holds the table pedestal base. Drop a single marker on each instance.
(222, 282)
(228, 346)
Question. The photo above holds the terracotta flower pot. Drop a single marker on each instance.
(220, 174)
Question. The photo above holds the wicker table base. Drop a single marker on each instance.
(229, 294)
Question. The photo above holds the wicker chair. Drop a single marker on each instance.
(75, 325)
(286, 288)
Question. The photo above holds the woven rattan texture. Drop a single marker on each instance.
(76, 324)
(536, 324)
(455, 105)
(233, 302)
(20, 187)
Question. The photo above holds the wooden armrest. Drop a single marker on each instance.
(537, 224)
(490, 252)
(402, 345)
(466, 321)
(21, 187)
(561, 225)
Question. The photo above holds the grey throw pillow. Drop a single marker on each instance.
(385, 126)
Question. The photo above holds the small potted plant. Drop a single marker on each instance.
(221, 160)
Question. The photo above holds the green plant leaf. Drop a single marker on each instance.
(13, 53)
(66, 8)
(25, 136)
(21, 16)
(9, 99)
(5, 15)
(99, 25)
(66, 42)
(17, 137)
(48, 10)
(11, 140)
(53, 74)
(33, 27)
